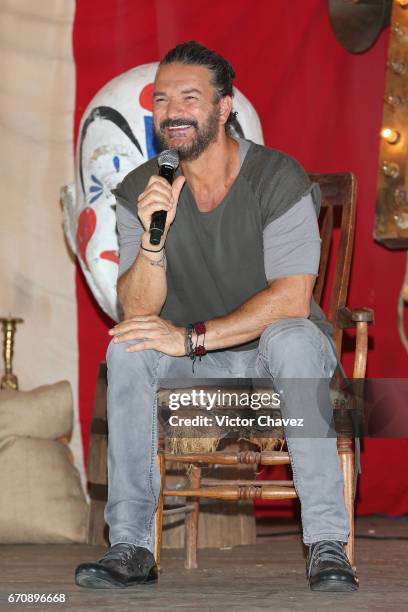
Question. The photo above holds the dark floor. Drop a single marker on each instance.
(268, 576)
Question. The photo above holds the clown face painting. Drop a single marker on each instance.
(116, 135)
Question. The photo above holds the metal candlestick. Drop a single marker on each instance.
(9, 380)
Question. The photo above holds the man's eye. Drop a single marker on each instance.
(159, 100)
(191, 98)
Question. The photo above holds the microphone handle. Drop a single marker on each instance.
(158, 222)
(167, 172)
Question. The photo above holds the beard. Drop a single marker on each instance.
(204, 135)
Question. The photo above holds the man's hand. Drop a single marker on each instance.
(159, 195)
(151, 332)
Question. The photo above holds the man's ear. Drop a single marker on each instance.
(225, 109)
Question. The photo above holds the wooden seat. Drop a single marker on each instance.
(337, 219)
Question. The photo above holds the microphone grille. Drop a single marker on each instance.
(169, 157)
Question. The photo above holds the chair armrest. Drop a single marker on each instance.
(346, 318)
(360, 318)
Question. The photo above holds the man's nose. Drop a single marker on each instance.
(174, 109)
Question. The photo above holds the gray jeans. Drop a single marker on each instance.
(288, 349)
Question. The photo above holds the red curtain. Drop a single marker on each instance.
(315, 101)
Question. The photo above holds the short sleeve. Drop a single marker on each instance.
(130, 232)
(292, 242)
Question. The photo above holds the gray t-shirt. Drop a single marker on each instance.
(291, 243)
(265, 228)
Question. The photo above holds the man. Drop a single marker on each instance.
(239, 256)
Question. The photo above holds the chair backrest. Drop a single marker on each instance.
(338, 208)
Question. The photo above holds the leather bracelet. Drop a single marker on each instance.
(151, 250)
(189, 341)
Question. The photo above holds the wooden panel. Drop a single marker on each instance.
(221, 524)
(97, 471)
(97, 530)
(391, 221)
(97, 462)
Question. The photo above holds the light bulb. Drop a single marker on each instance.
(390, 169)
(399, 67)
(403, 3)
(401, 32)
(400, 196)
(394, 100)
(391, 136)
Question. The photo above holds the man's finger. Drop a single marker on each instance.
(160, 183)
(155, 178)
(155, 193)
(140, 346)
(135, 326)
(124, 325)
(140, 325)
(136, 334)
(151, 207)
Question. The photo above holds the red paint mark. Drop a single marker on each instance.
(146, 97)
(85, 230)
(110, 256)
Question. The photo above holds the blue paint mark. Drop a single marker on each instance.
(96, 180)
(95, 197)
(116, 163)
(151, 145)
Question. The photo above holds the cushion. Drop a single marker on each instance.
(41, 501)
(44, 412)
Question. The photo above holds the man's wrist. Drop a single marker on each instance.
(154, 254)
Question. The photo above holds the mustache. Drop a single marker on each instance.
(168, 123)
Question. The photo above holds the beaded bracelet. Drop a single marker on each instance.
(199, 349)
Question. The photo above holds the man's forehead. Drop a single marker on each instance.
(177, 75)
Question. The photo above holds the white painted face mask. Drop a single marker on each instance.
(115, 136)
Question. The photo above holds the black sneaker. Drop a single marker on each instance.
(122, 566)
(329, 569)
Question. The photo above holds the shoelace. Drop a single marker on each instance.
(328, 551)
(119, 551)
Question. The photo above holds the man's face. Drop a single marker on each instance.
(186, 116)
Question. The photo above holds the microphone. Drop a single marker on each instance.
(168, 162)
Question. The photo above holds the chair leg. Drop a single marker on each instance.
(191, 523)
(346, 454)
(159, 512)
